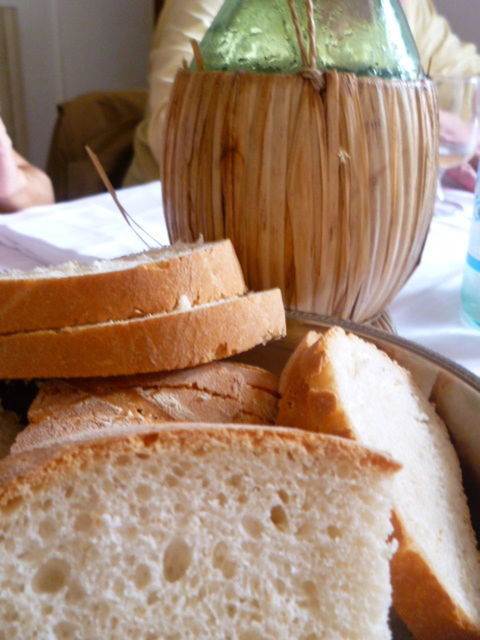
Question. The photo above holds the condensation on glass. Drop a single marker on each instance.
(365, 37)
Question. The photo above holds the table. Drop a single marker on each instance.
(426, 311)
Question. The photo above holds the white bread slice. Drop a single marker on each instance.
(341, 384)
(156, 281)
(158, 342)
(225, 392)
(197, 532)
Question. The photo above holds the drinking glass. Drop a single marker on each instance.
(459, 107)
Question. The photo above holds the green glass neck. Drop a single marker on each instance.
(365, 37)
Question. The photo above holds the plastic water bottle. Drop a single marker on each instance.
(471, 277)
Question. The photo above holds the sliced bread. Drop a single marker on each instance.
(192, 532)
(156, 342)
(225, 392)
(157, 281)
(340, 384)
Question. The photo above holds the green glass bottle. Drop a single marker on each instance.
(365, 37)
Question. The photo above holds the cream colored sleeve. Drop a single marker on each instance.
(441, 50)
(181, 20)
(179, 23)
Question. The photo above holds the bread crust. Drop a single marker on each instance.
(151, 343)
(216, 377)
(228, 379)
(205, 273)
(30, 470)
(420, 598)
(9, 429)
(216, 392)
(305, 398)
(308, 401)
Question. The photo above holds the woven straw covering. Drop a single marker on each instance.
(325, 189)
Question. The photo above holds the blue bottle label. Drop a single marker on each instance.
(476, 206)
(473, 262)
(473, 255)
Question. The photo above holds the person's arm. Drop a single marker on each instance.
(441, 51)
(179, 23)
(21, 184)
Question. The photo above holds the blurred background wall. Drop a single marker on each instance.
(54, 50)
(464, 16)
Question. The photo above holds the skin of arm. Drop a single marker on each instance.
(443, 53)
(21, 184)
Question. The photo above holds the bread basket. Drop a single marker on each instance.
(453, 389)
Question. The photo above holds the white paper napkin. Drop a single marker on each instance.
(83, 230)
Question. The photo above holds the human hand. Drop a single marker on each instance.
(12, 180)
(464, 176)
(455, 131)
(21, 184)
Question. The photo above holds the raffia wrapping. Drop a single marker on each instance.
(327, 194)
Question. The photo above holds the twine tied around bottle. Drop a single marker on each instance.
(309, 70)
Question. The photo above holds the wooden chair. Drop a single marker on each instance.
(158, 5)
(106, 121)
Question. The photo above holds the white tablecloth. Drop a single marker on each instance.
(426, 311)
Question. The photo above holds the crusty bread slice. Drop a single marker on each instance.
(157, 342)
(226, 392)
(197, 532)
(156, 281)
(341, 384)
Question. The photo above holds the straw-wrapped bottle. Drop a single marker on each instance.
(307, 133)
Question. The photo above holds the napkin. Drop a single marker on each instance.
(83, 230)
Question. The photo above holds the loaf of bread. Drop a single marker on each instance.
(157, 281)
(193, 532)
(225, 392)
(156, 342)
(340, 384)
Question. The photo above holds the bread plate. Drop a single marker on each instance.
(454, 391)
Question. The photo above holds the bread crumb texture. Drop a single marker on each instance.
(436, 573)
(226, 533)
(429, 496)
